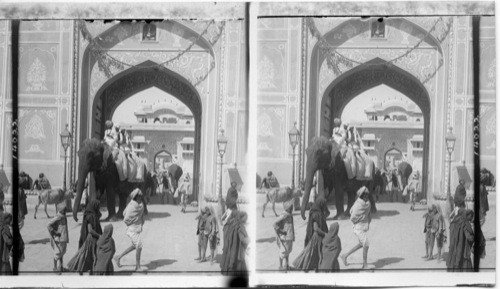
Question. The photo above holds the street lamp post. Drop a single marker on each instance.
(450, 147)
(221, 147)
(65, 141)
(294, 137)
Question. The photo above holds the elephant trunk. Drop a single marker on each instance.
(83, 170)
(311, 169)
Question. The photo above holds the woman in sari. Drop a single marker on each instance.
(331, 250)
(235, 244)
(105, 252)
(310, 257)
(461, 240)
(90, 232)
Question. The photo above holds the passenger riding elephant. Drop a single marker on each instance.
(325, 156)
(97, 157)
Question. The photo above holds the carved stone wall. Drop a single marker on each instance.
(222, 94)
(45, 87)
(449, 89)
(5, 96)
(353, 39)
(280, 86)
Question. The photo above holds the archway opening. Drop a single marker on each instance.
(390, 125)
(392, 158)
(370, 75)
(176, 101)
(161, 129)
(162, 160)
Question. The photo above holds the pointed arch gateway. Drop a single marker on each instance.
(322, 109)
(91, 113)
(136, 79)
(364, 77)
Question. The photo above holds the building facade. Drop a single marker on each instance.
(393, 133)
(78, 73)
(298, 82)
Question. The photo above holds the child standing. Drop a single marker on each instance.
(58, 230)
(212, 230)
(202, 236)
(285, 234)
(434, 230)
(440, 232)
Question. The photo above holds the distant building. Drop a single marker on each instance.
(392, 133)
(163, 134)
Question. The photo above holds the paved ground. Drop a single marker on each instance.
(170, 241)
(396, 238)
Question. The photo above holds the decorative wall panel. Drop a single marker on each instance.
(272, 66)
(271, 131)
(38, 71)
(37, 134)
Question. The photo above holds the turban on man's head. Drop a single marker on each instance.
(361, 191)
(135, 193)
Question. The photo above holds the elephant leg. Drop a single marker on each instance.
(351, 196)
(122, 199)
(339, 200)
(110, 200)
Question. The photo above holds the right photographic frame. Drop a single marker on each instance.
(365, 145)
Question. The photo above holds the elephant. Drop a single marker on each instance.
(174, 173)
(325, 155)
(405, 169)
(96, 157)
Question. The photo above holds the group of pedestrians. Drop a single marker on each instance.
(96, 247)
(322, 245)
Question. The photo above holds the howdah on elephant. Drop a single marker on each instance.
(325, 156)
(98, 158)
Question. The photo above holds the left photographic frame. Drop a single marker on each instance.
(132, 145)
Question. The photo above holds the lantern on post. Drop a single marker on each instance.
(294, 137)
(221, 147)
(450, 147)
(66, 137)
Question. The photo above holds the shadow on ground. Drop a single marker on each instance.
(267, 240)
(39, 241)
(384, 213)
(124, 273)
(380, 263)
(159, 263)
(152, 215)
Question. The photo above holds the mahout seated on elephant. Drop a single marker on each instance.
(99, 158)
(327, 158)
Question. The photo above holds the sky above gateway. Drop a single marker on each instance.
(124, 113)
(354, 111)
